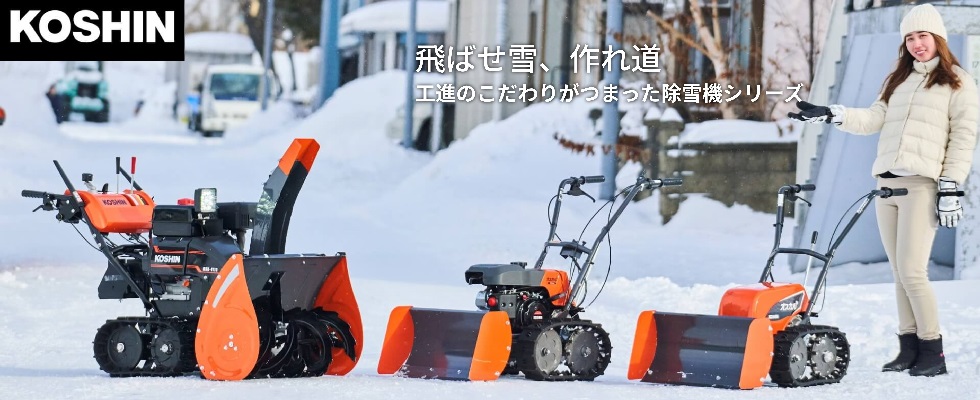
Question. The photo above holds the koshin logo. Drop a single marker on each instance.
(166, 259)
(144, 26)
(79, 30)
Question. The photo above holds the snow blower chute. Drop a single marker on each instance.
(761, 329)
(529, 319)
(210, 308)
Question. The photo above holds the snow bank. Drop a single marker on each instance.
(392, 16)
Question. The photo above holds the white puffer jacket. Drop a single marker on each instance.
(930, 132)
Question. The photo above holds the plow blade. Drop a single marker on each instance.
(445, 344)
(240, 331)
(701, 350)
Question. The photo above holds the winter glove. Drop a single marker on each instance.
(816, 114)
(948, 207)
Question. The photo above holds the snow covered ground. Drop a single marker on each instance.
(411, 223)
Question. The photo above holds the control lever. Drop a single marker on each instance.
(576, 190)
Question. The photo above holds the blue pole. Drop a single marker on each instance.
(410, 74)
(610, 110)
(267, 51)
(330, 57)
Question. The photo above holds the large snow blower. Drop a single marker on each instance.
(764, 328)
(210, 308)
(529, 319)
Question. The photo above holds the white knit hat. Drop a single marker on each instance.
(924, 17)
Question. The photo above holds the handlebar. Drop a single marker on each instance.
(806, 187)
(885, 192)
(33, 194)
(575, 181)
(656, 183)
(671, 181)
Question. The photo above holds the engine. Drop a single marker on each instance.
(188, 246)
(527, 295)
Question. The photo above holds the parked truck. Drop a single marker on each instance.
(227, 96)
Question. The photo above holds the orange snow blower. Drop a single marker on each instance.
(761, 329)
(211, 309)
(529, 320)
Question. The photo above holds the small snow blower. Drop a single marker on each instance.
(211, 309)
(529, 319)
(761, 329)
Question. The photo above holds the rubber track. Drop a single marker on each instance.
(187, 363)
(780, 372)
(524, 350)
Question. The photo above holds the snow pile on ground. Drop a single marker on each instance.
(411, 223)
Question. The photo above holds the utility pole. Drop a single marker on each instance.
(498, 77)
(610, 110)
(329, 49)
(267, 52)
(407, 137)
(813, 42)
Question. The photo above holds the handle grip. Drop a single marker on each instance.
(592, 179)
(807, 187)
(898, 191)
(33, 194)
(672, 181)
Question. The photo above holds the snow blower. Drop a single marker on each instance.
(210, 308)
(528, 320)
(764, 328)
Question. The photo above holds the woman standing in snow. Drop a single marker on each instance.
(927, 115)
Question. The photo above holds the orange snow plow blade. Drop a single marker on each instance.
(446, 344)
(238, 336)
(337, 295)
(227, 341)
(701, 350)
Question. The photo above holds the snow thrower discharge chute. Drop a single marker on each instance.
(212, 309)
(528, 320)
(761, 329)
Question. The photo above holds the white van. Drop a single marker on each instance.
(230, 94)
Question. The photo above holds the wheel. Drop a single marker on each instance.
(799, 358)
(547, 351)
(823, 356)
(103, 116)
(582, 352)
(118, 347)
(166, 350)
(809, 355)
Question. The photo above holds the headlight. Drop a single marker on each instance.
(206, 200)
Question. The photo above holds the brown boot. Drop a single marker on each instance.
(907, 351)
(930, 360)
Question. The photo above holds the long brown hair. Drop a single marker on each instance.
(942, 75)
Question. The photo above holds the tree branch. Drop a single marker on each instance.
(673, 32)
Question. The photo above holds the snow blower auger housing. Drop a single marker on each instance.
(529, 319)
(760, 329)
(211, 309)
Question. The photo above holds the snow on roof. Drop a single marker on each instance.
(392, 16)
(218, 42)
(653, 114)
(737, 131)
(670, 114)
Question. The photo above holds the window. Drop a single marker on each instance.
(230, 86)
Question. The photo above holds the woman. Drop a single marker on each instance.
(927, 116)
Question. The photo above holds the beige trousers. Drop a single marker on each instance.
(908, 226)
